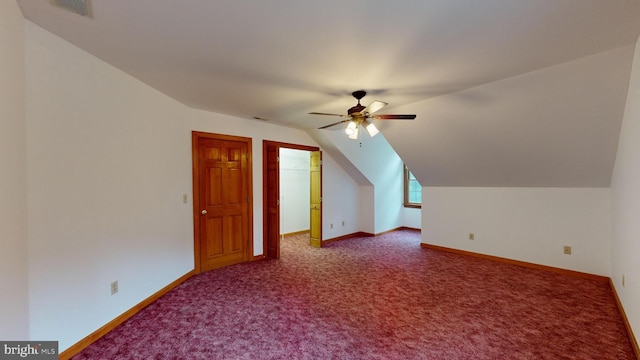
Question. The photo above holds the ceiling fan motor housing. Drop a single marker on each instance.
(358, 94)
(356, 109)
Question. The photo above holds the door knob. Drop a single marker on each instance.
(203, 212)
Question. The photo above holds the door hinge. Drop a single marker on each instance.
(320, 198)
(278, 159)
(278, 202)
(246, 155)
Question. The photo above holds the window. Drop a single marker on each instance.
(412, 190)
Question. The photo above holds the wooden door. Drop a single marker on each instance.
(315, 171)
(271, 189)
(222, 204)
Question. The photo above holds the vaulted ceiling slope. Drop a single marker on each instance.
(279, 60)
(554, 127)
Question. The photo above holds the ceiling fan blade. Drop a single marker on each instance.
(375, 106)
(393, 117)
(321, 113)
(337, 123)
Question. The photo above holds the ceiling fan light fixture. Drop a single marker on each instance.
(371, 129)
(352, 127)
(354, 135)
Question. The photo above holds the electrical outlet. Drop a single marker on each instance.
(567, 250)
(343, 223)
(472, 236)
(622, 280)
(185, 199)
(114, 287)
(332, 226)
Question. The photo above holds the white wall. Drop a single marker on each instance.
(389, 188)
(367, 207)
(412, 217)
(14, 312)
(526, 224)
(294, 190)
(625, 188)
(380, 164)
(107, 164)
(340, 201)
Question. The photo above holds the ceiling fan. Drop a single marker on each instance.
(359, 115)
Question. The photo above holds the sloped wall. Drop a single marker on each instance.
(14, 314)
(625, 188)
(553, 127)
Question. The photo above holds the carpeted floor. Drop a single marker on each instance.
(374, 298)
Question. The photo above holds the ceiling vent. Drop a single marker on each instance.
(82, 7)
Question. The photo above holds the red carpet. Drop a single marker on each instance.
(374, 298)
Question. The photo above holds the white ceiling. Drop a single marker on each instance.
(281, 59)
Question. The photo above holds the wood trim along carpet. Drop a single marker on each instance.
(258, 257)
(296, 233)
(399, 229)
(632, 338)
(409, 228)
(348, 236)
(583, 275)
(91, 338)
(365, 234)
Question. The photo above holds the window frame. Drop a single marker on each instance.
(407, 203)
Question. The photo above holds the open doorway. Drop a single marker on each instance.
(275, 210)
(295, 191)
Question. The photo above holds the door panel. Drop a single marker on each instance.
(214, 181)
(315, 172)
(214, 231)
(222, 206)
(271, 198)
